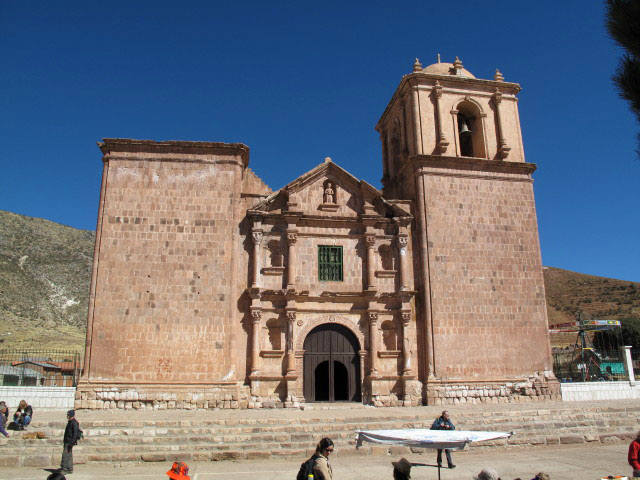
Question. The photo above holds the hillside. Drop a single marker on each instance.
(595, 297)
(45, 270)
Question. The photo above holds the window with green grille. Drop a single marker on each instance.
(329, 263)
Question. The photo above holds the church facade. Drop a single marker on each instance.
(210, 290)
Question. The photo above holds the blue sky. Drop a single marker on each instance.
(299, 81)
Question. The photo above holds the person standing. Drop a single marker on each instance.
(443, 422)
(322, 469)
(4, 416)
(71, 437)
(632, 457)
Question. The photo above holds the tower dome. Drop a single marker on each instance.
(443, 68)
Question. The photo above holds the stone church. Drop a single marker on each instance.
(210, 290)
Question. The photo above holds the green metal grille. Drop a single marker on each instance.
(329, 263)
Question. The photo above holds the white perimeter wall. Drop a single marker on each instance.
(41, 398)
(579, 391)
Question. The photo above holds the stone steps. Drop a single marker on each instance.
(130, 439)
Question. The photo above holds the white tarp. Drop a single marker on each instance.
(425, 438)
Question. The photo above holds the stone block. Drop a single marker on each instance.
(258, 455)
(609, 438)
(354, 452)
(37, 461)
(10, 461)
(154, 457)
(398, 450)
(379, 450)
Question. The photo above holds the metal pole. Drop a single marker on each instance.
(583, 345)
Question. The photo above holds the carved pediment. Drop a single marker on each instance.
(329, 190)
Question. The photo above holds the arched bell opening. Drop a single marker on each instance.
(331, 365)
(470, 130)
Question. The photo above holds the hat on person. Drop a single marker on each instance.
(487, 474)
(71, 413)
(403, 466)
(542, 476)
(179, 471)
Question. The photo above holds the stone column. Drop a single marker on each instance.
(373, 343)
(629, 364)
(503, 148)
(292, 238)
(403, 242)
(417, 121)
(406, 344)
(256, 239)
(370, 241)
(291, 359)
(256, 315)
(425, 287)
(441, 141)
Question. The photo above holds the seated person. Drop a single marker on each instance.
(23, 415)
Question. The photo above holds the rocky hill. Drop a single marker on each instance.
(45, 270)
(594, 297)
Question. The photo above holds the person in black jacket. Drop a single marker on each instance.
(71, 437)
(443, 422)
(23, 415)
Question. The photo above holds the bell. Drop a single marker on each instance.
(464, 128)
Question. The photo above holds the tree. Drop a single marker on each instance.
(623, 23)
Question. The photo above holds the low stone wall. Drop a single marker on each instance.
(41, 398)
(101, 397)
(586, 391)
(538, 388)
(378, 391)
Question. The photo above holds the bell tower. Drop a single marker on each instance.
(444, 110)
(451, 143)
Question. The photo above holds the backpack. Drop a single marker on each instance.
(306, 468)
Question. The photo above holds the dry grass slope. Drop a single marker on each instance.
(598, 297)
(45, 270)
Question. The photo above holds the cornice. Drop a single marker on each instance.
(111, 146)
(412, 80)
(471, 164)
(342, 297)
(323, 219)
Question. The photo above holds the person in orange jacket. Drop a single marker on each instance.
(632, 457)
(179, 471)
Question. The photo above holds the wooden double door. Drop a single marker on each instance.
(331, 365)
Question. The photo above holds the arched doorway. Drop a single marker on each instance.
(331, 365)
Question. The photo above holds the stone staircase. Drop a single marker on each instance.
(211, 435)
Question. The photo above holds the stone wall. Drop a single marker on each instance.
(165, 305)
(161, 397)
(487, 293)
(589, 391)
(536, 388)
(40, 398)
